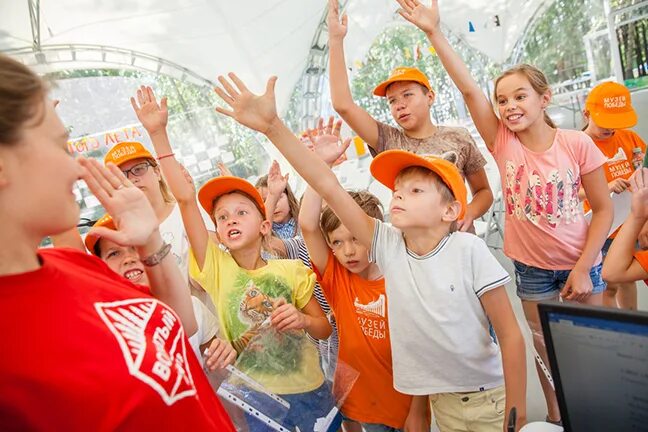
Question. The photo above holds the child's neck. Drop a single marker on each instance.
(371, 273)
(249, 257)
(425, 130)
(422, 241)
(161, 208)
(538, 137)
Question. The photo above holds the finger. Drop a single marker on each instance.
(230, 359)
(334, 8)
(140, 96)
(312, 136)
(345, 20)
(163, 103)
(134, 105)
(329, 126)
(279, 302)
(228, 87)
(121, 177)
(228, 113)
(108, 234)
(405, 7)
(320, 124)
(345, 145)
(223, 95)
(151, 95)
(237, 81)
(93, 184)
(106, 181)
(286, 322)
(411, 4)
(337, 128)
(270, 87)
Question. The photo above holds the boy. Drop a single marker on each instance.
(437, 282)
(410, 96)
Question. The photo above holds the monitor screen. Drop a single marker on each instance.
(603, 371)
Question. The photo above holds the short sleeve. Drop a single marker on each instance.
(504, 135)
(386, 134)
(642, 258)
(207, 322)
(292, 247)
(386, 241)
(487, 271)
(589, 155)
(303, 284)
(474, 158)
(637, 141)
(207, 277)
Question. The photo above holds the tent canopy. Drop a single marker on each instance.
(255, 38)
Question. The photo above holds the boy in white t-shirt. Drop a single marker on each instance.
(443, 286)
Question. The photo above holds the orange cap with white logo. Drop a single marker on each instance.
(610, 106)
(91, 239)
(403, 74)
(127, 151)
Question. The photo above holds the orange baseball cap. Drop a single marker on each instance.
(91, 239)
(610, 106)
(386, 166)
(127, 151)
(222, 185)
(403, 74)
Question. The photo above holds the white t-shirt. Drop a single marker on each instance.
(207, 327)
(173, 232)
(439, 330)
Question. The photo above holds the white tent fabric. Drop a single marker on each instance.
(254, 38)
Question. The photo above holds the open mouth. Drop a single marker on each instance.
(133, 275)
(513, 117)
(233, 234)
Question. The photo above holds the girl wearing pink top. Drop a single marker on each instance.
(555, 252)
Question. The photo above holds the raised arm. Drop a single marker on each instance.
(276, 185)
(260, 113)
(357, 118)
(324, 142)
(620, 265)
(138, 226)
(154, 117)
(428, 20)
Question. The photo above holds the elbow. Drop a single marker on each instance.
(341, 107)
(610, 274)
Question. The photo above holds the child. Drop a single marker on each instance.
(410, 97)
(623, 263)
(110, 362)
(554, 251)
(609, 112)
(247, 290)
(281, 205)
(124, 260)
(434, 279)
(355, 289)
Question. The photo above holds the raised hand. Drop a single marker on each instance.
(254, 111)
(337, 28)
(424, 17)
(639, 186)
(276, 182)
(130, 209)
(325, 141)
(224, 170)
(153, 116)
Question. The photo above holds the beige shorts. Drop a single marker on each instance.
(481, 411)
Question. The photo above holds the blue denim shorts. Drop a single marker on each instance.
(536, 284)
(606, 246)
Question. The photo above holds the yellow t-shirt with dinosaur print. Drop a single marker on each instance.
(244, 300)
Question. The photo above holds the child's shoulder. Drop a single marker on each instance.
(572, 135)
(464, 243)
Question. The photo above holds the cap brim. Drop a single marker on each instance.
(130, 158)
(222, 185)
(614, 121)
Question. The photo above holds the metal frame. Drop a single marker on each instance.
(612, 27)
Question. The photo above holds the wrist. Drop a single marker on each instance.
(275, 126)
(155, 133)
(336, 42)
(152, 245)
(433, 33)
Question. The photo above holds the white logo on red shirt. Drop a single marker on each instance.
(153, 344)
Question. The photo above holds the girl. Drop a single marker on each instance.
(281, 205)
(624, 149)
(247, 290)
(542, 168)
(101, 335)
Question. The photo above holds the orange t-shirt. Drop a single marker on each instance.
(360, 308)
(642, 257)
(619, 151)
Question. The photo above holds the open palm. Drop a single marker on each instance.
(337, 28)
(153, 116)
(424, 17)
(326, 142)
(254, 111)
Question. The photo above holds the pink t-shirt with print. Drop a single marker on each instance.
(545, 226)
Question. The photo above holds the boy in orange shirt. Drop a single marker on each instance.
(355, 290)
(609, 113)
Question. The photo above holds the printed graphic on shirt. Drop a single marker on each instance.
(555, 201)
(152, 341)
(371, 317)
(619, 165)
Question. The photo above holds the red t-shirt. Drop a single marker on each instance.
(360, 309)
(84, 349)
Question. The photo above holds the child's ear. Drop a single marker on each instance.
(265, 228)
(431, 97)
(546, 98)
(452, 212)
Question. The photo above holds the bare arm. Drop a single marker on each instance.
(276, 186)
(260, 113)
(620, 265)
(500, 313)
(482, 198)
(309, 216)
(428, 20)
(357, 118)
(154, 119)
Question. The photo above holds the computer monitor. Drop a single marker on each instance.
(599, 363)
